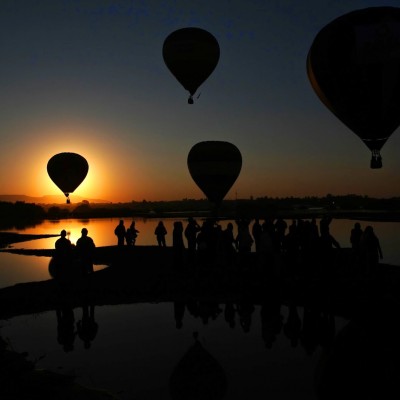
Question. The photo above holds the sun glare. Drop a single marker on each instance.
(94, 186)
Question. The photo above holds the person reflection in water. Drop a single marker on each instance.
(65, 328)
(87, 326)
(85, 248)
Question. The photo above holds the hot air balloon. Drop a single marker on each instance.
(214, 166)
(67, 171)
(191, 54)
(354, 67)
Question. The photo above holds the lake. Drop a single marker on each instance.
(136, 348)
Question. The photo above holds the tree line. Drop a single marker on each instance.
(12, 214)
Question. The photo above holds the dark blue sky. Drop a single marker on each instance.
(88, 76)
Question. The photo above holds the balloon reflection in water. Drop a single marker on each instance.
(198, 375)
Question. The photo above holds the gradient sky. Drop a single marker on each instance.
(87, 76)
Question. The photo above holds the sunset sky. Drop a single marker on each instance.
(87, 76)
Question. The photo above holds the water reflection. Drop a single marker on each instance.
(87, 327)
(198, 375)
(359, 361)
(316, 328)
(66, 327)
(363, 360)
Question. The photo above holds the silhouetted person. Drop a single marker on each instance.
(291, 248)
(327, 242)
(324, 224)
(134, 232)
(87, 326)
(243, 239)
(244, 242)
(256, 231)
(266, 251)
(66, 328)
(120, 232)
(280, 231)
(63, 247)
(129, 237)
(371, 251)
(228, 244)
(63, 257)
(355, 238)
(160, 233)
(191, 231)
(85, 249)
(177, 243)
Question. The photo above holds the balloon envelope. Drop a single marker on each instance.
(191, 54)
(67, 171)
(214, 166)
(354, 67)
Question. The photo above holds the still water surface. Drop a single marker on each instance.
(137, 347)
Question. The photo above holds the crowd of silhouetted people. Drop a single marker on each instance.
(301, 245)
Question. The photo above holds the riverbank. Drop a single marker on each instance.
(150, 274)
(7, 238)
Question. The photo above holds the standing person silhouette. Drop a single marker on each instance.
(63, 247)
(134, 232)
(256, 231)
(191, 231)
(120, 232)
(371, 251)
(62, 257)
(160, 233)
(85, 248)
(355, 237)
(177, 244)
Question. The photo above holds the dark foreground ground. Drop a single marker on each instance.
(335, 284)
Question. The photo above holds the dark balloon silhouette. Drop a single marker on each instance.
(191, 54)
(354, 67)
(67, 171)
(214, 166)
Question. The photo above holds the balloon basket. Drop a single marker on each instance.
(376, 160)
